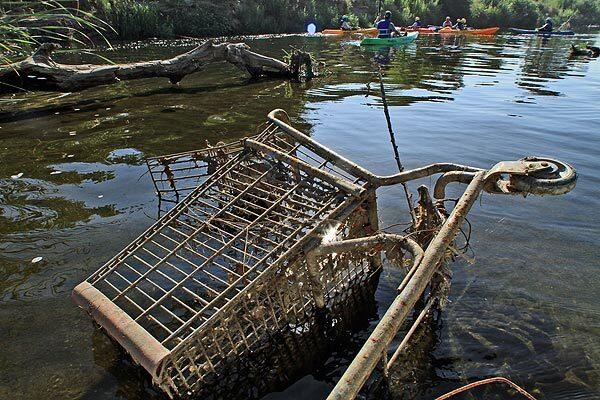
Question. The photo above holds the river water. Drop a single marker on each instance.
(527, 309)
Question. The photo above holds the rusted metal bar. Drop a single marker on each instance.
(142, 346)
(343, 184)
(439, 191)
(373, 219)
(367, 358)
(422, 172)
(410, 332)
(354, 245)
(319, 149)
(368, 243)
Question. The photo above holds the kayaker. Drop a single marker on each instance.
(447, 23)
(417, 24)
(346, 24)
(547, 27)
(386, 26)
(461, 24)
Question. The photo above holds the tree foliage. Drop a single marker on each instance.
(138, 19)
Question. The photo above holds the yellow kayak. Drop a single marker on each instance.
(341, 32)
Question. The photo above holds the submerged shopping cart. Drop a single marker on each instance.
(274, 231)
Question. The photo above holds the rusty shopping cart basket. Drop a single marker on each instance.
(256, 247)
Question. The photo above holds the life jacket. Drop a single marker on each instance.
(549, 26)
(384, 28)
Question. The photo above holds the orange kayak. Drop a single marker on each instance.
(478, 32)
(341, 32)
(422, 31)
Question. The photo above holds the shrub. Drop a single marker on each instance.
(135, 20)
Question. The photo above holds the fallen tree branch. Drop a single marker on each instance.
(40, 72)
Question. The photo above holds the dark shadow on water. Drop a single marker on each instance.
(93, 105)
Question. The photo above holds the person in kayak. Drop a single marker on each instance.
(461, 24)
(547, 27)
(447, 23)
(417, 24)
(386, 26)
(346, 24)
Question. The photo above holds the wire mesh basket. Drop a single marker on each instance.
(223, 271)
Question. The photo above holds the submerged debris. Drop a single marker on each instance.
(273, 235)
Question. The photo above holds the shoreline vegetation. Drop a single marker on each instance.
(141, 19)
(25, 23)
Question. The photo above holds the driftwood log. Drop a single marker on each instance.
(41, 72)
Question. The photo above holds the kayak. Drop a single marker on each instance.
(476, 32)
(534, 32)
(398, 40)
(341, 32)
(449, 31)
(422, 31)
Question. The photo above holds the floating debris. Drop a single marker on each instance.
(17, 176)
(37, 260)
(55, 172)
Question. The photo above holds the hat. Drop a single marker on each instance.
(548, 19)
(388, 14)
(417, 19)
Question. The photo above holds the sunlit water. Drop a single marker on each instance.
(528, 309)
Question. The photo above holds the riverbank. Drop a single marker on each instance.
(141, 19)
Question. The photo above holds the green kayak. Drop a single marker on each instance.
(398, 40)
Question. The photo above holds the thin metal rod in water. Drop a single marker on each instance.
(388, 119)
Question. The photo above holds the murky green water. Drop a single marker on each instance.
(528, 309)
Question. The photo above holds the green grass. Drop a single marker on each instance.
(26, 24)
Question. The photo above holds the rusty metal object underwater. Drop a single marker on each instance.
(243, 256)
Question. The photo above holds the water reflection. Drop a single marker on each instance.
(546, 60)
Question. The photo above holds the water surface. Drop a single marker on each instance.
(528, 309)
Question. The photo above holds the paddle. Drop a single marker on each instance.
(378, 16)
(567, 22)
